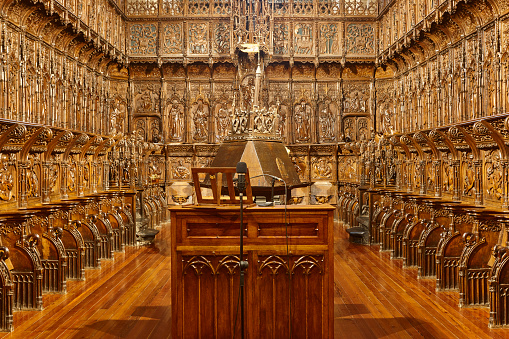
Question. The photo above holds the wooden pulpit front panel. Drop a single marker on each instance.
(205, 283)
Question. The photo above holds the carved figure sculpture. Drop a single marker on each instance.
(200, 118)
(176, 122)
(180, 171)
(6, 180)
(223, 122)
(302, 116)
(327, 122)
(387, 127)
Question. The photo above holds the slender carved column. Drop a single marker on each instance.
(478, 182)
(480, 84)
(409, 177)
(79, 177)
(45, 189)
(423, 176)
(106, 175)
(397, 165)
(64, 170)
(94, 175)
(23, 167)
(505, 184)
(455, 164)
(438, 176)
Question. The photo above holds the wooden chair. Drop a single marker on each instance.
(27, 270)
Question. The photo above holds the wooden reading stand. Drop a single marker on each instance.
(216, 185)
(289, 284)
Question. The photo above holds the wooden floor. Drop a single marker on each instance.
(375, 298)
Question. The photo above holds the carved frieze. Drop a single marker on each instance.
(360, 39)
(143, 39)
(198, 38)
(171, 38)
(303, 39)
(321, 167)
(329, 39)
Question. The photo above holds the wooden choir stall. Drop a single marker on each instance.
(278, 240)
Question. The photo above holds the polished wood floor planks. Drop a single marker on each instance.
(375, 297)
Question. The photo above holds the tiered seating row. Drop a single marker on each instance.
(461, 246)
(43, 247)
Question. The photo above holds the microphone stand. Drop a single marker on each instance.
(241, 265)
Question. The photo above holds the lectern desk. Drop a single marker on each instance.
(205, 272)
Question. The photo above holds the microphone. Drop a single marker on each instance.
(241, 173)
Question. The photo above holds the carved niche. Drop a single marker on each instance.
(328, 112)
(356, 98)
(200, 113)
(302, 122)
(493, 175)
(7, 182)
(468, 175)
(146, 98)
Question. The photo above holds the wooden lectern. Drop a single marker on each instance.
(289, 281)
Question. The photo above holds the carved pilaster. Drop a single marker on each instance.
(409, 177)
(423, 177)
(438, 181)
(23, 167)
(45, 189)
(94, 175)
(106, 175)
(478, 182)
(64, 167)
(79, 177)
(455, 164)
(505, 184)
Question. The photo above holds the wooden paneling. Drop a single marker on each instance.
(288, 289)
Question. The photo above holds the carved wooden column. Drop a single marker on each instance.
(64, 170)
(79, 177)
(106, 174)
(45, 189)
(23, 166)
(455, 164)
(94, 175)
(130, 105)
(498, 73)
(463, 93)
(439, 92)
(423, 176)
(480, 84)
(4, 71)
(505, 184)
(22, 95)
(409, 177)
(399, 182)
(450, 83)
(438, 176)
(478, 182)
